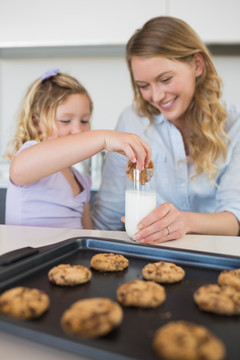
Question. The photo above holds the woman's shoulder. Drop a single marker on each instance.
(129, 118)
(232, 123)
(233, 117)
(233, 111)
(129, 111)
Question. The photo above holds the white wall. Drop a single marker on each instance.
(106, 79)
(228, 68)
(73, 22)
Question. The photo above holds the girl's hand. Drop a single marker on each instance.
(164, 223)
(130, 145)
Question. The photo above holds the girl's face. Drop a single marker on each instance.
(73, 115)
(168, 85)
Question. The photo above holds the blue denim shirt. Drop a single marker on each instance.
(173, 174)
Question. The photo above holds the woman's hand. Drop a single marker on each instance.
(164, 223)
(130, 145)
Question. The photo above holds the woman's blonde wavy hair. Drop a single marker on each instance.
(41, 102)
(174, 39)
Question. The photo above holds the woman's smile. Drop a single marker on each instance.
(162, 83)
(167, 105)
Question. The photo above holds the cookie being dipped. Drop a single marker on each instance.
(144, 175)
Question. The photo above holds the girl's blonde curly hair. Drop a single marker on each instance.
(41, 102)
(174, 39)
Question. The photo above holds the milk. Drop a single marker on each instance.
(138, 204)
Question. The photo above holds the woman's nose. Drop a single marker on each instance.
(157, 93)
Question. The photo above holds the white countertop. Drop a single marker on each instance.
(14, 237)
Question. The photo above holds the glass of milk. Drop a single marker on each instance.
(140, 198)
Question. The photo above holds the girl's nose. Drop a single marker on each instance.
(76, 128)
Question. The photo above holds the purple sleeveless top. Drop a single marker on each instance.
(47, 202)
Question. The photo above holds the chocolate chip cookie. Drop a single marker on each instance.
(230, 278)
(144, 175)
(69, 275)
(93, 317)
(24, 303)
(182, 340)
(109, 262)
(140, 293)
(223, 300)
(163, 272)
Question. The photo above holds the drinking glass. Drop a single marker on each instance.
(140, 197)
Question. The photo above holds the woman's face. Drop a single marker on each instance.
(73, 115)
(168, 85)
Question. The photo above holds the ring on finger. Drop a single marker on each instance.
(169, 230)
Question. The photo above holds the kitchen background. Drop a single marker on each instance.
(86, 38)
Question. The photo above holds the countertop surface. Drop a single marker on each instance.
(14, 237)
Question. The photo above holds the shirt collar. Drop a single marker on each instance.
(158, 119)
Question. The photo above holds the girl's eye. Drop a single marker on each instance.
(143, 86)
(85, 122)
(65, 121)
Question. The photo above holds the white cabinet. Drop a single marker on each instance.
(74, 23)
(215, 21)
(28, 23)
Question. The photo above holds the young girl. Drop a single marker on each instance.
(53, 134)
(195, 139)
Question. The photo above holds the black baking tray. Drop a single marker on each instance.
(133, 338)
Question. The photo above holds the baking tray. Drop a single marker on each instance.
(133, 338)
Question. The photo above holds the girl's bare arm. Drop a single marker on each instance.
(54, 155)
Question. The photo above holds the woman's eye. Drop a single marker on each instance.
(85, 122)
(167, 79)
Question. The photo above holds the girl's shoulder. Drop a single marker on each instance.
(27, 144)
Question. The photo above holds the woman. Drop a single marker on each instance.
(194, 138)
